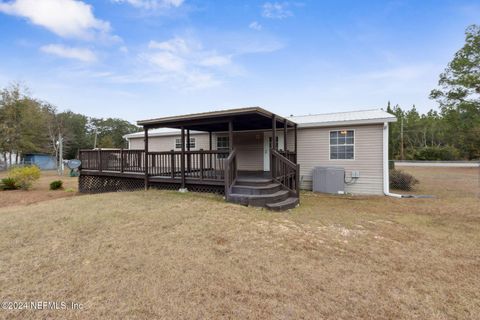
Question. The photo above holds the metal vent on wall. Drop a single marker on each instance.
(329, 180)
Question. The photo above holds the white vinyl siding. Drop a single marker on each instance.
(314, 150)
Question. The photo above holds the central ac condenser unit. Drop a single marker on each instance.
(329, 180)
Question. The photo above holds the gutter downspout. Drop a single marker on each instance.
(386, 177)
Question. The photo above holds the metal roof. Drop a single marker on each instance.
(343, 118)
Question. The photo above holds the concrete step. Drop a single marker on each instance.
(288, 203)
(253, 181)
(259, 200)
(259, 189)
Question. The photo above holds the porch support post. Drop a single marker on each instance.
(145, 129)
(189, 166)
(210, 140)
(182, 162)
(210, 148)
(230, 135)
(285, 139)
(295, 139)
(274, 132)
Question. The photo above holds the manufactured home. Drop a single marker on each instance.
(251, 155)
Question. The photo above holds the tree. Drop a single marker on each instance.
(111, 131)
(22, 125)
(459, 96)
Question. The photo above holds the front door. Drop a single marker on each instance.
(267, 145)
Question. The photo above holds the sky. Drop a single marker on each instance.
(141, 59)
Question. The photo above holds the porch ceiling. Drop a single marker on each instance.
(254, 118)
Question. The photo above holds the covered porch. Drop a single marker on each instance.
(219, 166)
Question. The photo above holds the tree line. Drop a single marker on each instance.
(453, 132)
(28, 125)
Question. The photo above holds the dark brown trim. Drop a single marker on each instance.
(295, 139)
(189, 166)
(210, 145)
(183, 158)
(146, 157)
(189, 118)
(121, 160)
(230, 135)
(285, 138)
(274, 132)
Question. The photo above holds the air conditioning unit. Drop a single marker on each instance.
(329, 180)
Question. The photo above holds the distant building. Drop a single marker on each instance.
(42, 160)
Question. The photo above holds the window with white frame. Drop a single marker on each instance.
(178, 143)
(342, 145)
(223, 144)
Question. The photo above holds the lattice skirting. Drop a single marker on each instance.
(190, 187)
(99, 184)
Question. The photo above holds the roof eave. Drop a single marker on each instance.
(346, 123)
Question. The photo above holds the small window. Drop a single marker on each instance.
(270, 142)
(178, 143)
(342, 145)
(223, 144)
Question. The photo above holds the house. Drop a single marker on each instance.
(231, 152)
(42, 160)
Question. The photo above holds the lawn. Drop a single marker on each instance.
(163, 254)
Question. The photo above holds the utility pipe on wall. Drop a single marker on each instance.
(386, 177)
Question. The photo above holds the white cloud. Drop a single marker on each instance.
(66, 18)
(255, 26)
(276, 10)
(186, 62)
(176, 45)
(152, 4)
(167, 61)
(82, 54)
(212, 60)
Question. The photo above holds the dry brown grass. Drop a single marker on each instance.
(160, 254)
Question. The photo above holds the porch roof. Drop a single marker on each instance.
(252, 118)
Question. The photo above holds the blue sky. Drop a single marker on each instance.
(137, 59)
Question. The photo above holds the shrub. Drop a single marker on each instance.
(402, 180)
(24, 176)
(8, 184)
(437, 153)
(55, 185)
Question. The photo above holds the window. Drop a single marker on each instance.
(178, 143)
(270, 142)
(223, 144)
(342, 145)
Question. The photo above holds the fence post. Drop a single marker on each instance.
(100, 159)
(121, 160)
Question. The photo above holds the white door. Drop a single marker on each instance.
(267, 145)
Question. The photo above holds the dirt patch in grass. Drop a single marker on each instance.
(162, 254)
(40, 190)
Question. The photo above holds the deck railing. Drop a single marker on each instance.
(230, 172)
(285, 172)
(200, 164)
(290, 155)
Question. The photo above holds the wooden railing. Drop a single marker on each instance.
(230, 172)
(201, 164)
(290, 155)
(285, 172)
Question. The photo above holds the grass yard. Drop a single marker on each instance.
(162, 254)
(40, 190)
